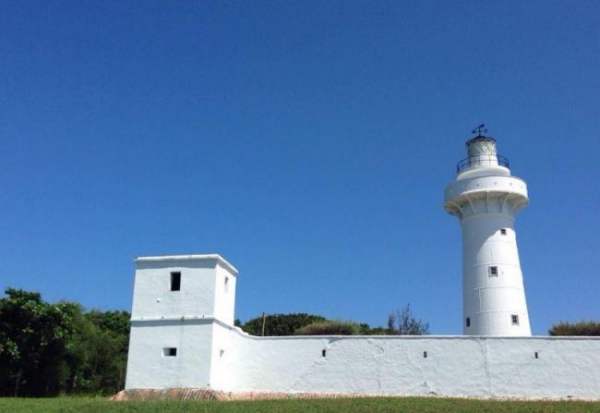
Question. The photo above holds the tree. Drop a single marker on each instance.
(47, 349)
(581, 328)
(32, 344)
(97, 354)
(280, 324)
(113, 331)
(402, 322)
(302, 323)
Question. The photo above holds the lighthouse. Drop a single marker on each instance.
(486, 198)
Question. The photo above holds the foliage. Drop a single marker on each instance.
(329, 327)
(33, 344)
(402, 322)
(279, 324)
(98, 352)
(47, 349)
(367, 330)
(581, 328)
(349, 405)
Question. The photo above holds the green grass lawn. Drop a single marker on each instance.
(84, 405)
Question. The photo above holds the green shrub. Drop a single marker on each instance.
(329, 327)
(581, 328)
(279, 324)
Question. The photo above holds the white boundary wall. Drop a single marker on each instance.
(221, 357)
(195, 321)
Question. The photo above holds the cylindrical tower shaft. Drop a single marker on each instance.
(486, 198)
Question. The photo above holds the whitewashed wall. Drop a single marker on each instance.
(225, 285)
(182, 319)
(152, 297)
(147, 366)
(211, 353)
(385, 365)
(214, 355)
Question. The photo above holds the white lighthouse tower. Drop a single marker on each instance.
(486, 198)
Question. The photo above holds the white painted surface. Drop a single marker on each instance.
(225, 285)
(149, 368)
(213, 354)
(202, 287)
(486, 199)
(460, 366)
(387, 365)
(162, 318)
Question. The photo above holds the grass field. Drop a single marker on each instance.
(99, 405)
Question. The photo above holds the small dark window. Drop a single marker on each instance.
(170, 351)
(175, 281)
(424, 354)
(515, 319)
(324, 353)
(468, 322)
(536, 355)
(493, 271)
(503, 231)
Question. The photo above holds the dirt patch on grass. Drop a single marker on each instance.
(204, 394)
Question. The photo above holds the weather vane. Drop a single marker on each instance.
(480, 130)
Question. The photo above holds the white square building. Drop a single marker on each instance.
(176, 302)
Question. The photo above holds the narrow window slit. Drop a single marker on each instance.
(175, 281)
(170, 351)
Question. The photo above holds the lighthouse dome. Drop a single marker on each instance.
(481, 146)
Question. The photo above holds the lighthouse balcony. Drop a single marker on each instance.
(492, 193)
(482, 161)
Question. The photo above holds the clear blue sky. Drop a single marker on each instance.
(307, 142)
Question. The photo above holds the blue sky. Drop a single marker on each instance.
(307, 142)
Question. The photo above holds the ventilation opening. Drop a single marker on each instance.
(323, 353)
(175, 281)
(503, 231)
(536, 355)
(468, 322)
(493, 271)
(170, 351)
(226, 284)
(514, 319)
(424, 354)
